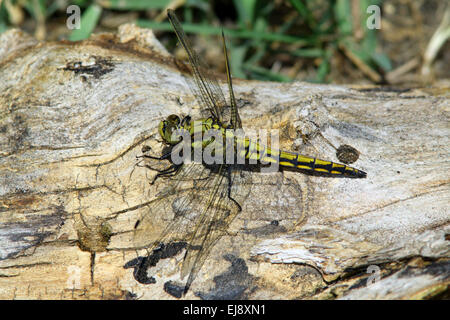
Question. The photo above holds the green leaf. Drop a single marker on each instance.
(35, 8)
(88, 22)
(40, 4)
(308, 53)
(237, 55)
(261, 73)
(135, 4)
(3, 27)
(323, 70)
(343, 16)
(198, 4)
(324, 67)
(243, 34)
(259, 52)
(246, 12)
(357, 50)
(382, 60)
(303, 11)
(3, 15)
(81, 3)
(369, 43)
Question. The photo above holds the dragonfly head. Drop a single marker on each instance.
(168, 127)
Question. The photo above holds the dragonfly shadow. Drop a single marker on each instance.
(141, 264)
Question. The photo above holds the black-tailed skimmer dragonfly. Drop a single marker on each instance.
(201, 199)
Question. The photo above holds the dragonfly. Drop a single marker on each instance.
(199, 199)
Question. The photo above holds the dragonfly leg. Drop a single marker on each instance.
(229, 189)
(165, 156)
(168, 172)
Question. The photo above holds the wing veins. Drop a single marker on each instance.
(205, 81)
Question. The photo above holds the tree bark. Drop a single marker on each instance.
(74, 116)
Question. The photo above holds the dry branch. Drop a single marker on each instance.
(74, 116)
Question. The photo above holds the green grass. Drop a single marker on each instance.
(258, 32)
(89, 20)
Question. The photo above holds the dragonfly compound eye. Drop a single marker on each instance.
(173, 119)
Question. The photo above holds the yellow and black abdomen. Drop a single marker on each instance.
(256, 151)
(293, 160)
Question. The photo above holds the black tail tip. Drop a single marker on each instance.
(361, 174)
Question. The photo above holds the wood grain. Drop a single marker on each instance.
(74, 116)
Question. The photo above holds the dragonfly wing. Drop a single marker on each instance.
(195, 208)
(206, 89)
(168, 211)
(228, 193)
(235, 119)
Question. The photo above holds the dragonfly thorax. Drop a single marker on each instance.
(173, 128)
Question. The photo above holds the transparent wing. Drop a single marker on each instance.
(206, 89)
(196, 208)
(221, 208)
(235, 119)
(168, 211)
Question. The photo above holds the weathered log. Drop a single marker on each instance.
(74, 116)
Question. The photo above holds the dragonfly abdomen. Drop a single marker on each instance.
(262, 154)
(292, 160)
